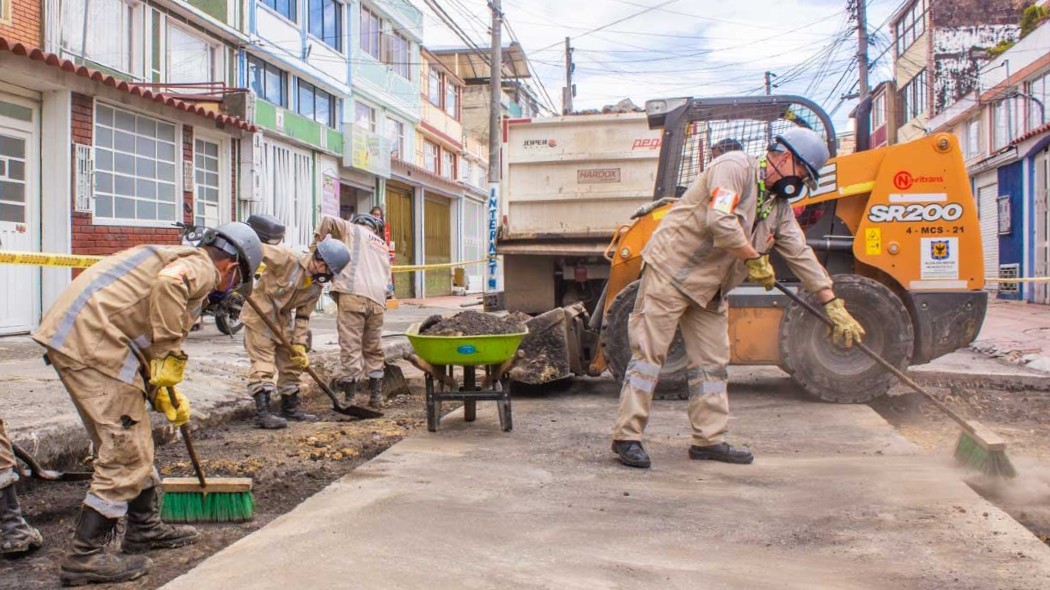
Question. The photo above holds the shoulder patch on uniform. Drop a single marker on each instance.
(724, 200)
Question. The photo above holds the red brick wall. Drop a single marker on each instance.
(24, 24)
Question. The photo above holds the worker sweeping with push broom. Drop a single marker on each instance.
(718, 234)
(115, 337)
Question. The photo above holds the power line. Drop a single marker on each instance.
(647, 10)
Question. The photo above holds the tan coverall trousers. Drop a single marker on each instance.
(661, 308)
(117, 420)
(269, 356)
(360, 324)
(7, 459)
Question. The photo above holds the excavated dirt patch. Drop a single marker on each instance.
(287, 466)
(471, 323)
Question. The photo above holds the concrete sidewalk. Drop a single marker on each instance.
(846, 505)
(1018, 333)
(38, 413)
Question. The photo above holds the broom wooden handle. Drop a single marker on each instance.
(878, 359)
(185, 430)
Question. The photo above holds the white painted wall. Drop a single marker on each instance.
(55, 189)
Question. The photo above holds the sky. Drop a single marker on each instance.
(666, 48)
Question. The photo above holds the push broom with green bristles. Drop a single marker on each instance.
(978, 447)
(188, 499)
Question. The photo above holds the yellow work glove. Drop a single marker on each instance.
(167, 371)
(162, 403)
(759, 270)
(847, 330)
(299, 359)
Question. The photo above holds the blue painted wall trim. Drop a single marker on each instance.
(1011, 245)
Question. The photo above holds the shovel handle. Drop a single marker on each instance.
(185, 430)
(809, 307)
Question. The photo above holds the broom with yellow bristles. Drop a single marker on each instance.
(978, 447)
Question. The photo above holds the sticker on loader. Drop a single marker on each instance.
(940, 258)
(915, 213)
(873, 241)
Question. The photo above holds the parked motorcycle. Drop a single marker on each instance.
(225, 308)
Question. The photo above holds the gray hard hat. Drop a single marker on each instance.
(808, 147)
(240, 241)
(370, 220)
(269, 228)
(334, 253)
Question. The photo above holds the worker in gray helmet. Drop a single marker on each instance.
(286, 292)
(114, 337)
(269, 229)
(720, 233)
(360, 294)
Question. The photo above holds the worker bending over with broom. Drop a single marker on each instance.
(17, 538)
(360, 292)
(721, 232)
(287, 292)
(115, 337)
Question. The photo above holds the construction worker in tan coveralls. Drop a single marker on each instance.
(114, 337)
(360, 292)
(719, 233)
(18, 538)
(287, 292)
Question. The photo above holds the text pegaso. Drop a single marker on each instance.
(915, 213)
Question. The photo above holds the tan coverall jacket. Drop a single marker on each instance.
(7, 459)
(360, 294)
(689, 273)
(113, 319)
(287, 294)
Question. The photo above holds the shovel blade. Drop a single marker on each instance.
(357, 411)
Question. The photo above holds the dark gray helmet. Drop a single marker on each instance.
(240, 241)
(373, 222)
(726, 145)
(334, 253)
(269, 228)
(808, 147)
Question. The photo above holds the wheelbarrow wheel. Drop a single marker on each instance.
(470, 410)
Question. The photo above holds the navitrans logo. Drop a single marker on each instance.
(539, 143)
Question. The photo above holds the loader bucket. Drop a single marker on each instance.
(546, 350)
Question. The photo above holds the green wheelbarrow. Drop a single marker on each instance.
(438, 356)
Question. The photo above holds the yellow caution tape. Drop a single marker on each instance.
(1019, 280)
(419, 267)
(45, 259)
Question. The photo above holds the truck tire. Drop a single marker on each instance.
(617, 347)
(835, 374)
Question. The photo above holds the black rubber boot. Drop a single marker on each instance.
(18, 537)
(723, 452)
(631, 453)
(349, 389)
(88, 562)
(147, 531)
(263, 417)
(290, 408)
(375, 393)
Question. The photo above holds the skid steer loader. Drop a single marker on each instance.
(896, 227)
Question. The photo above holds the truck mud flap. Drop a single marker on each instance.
(944, 321)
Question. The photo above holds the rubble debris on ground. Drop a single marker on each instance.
(471, 323)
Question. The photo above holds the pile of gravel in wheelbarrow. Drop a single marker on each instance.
(471, 323)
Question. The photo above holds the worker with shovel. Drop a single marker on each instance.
(718, 234)
(115, 337)
(287, 292)
(18, 538)
(360, 291)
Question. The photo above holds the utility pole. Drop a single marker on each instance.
(495, 136)
(769, 92)
(569, 91)
(863, 112)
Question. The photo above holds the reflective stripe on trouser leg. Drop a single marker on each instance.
(261, 351)
(115, 416)
(706, 335)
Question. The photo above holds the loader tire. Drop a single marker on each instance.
(617, 347)
(835, 374)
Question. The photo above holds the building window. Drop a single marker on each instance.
(878, 112)
(268, 82)
(370, 29)
(913, 97)
(397, 55)
(206, 204)
(451, 99)
(397, 135)
(108, 45)
(190, 58)
(285, 8)
(430, 157)
(467, 171)
(314, 103)
(326, 22)
(911, 26)
(434, 86)
(448, 164)
(13, 179)
(5, 10)
(1006, 122)
(973, 139)
(135, 159)
(1039, 89)
(365, 117)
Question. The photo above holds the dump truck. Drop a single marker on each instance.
(896, 227)
(568, 183)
